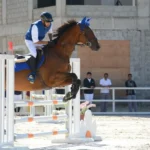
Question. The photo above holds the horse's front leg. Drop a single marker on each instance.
(64, 79)
(74, 88)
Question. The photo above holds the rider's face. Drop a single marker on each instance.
(47, 24)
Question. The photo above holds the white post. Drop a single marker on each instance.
(2, 98)
(48, 108)
(60, 8)
(32, 108)
(30, 10)
(68, 110)
(133, 2)
(113, 103)
(75, 62)
(10, 97)
(4, 10)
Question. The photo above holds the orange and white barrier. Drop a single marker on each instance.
(73, 126)
(87, 132)
(30, 135)
(69, 129)
(41, 118)
(37, 103)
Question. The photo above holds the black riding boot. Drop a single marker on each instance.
(33, 67)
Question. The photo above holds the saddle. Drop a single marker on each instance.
(25, 58)
(22, 62)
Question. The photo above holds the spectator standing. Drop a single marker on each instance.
(131, 93)
(105, 93)
(89, 82)
(17, 97)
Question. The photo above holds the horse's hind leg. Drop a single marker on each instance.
(74, 88)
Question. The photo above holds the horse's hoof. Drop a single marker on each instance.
(79, 82)
(65, 99)
(68, 97)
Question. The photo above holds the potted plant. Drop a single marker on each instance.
(84, 107)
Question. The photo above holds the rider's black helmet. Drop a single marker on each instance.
(47, 17)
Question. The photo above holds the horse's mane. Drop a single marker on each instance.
(59, 32)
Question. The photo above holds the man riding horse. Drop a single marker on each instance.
(53, 68)
(34, 39)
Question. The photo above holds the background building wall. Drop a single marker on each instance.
(113, 58)
(128, 23)
(16, 11)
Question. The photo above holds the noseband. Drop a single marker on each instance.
(89, 37)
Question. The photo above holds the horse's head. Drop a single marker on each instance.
(86, 35)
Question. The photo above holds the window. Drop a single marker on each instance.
(124, 2)
(45, 3)
(75, 2)
(101, 2)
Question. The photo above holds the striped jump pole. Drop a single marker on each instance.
(37, 103)
(41, 118)
(7, 121)
(32, 135)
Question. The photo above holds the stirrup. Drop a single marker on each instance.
(31, 78)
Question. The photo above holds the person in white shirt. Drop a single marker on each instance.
(105, 93)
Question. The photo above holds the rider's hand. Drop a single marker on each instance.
(51, 43)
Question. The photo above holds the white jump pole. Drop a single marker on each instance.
(9, 119)
(68, 110)
(75, 63)
(48, 109)
(32, 108)
(10, 98)
(2, 96)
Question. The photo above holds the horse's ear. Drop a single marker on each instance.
(85, 21)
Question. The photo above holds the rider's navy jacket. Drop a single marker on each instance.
(42, 30)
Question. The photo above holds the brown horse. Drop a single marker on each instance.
(55, 70)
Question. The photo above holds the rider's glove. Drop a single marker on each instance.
(51, 43)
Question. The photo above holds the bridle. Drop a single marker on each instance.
(86, 31)
(89, 37)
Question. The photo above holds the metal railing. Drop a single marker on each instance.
(114, 100)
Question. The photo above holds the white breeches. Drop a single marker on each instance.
(18, 97)
(89, 97)
(32, 47)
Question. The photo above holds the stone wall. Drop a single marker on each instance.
(37, 12)
(17, 11)
(130, 23)
(101, 11)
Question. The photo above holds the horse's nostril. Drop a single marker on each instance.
(89, 44)
(98, 47)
